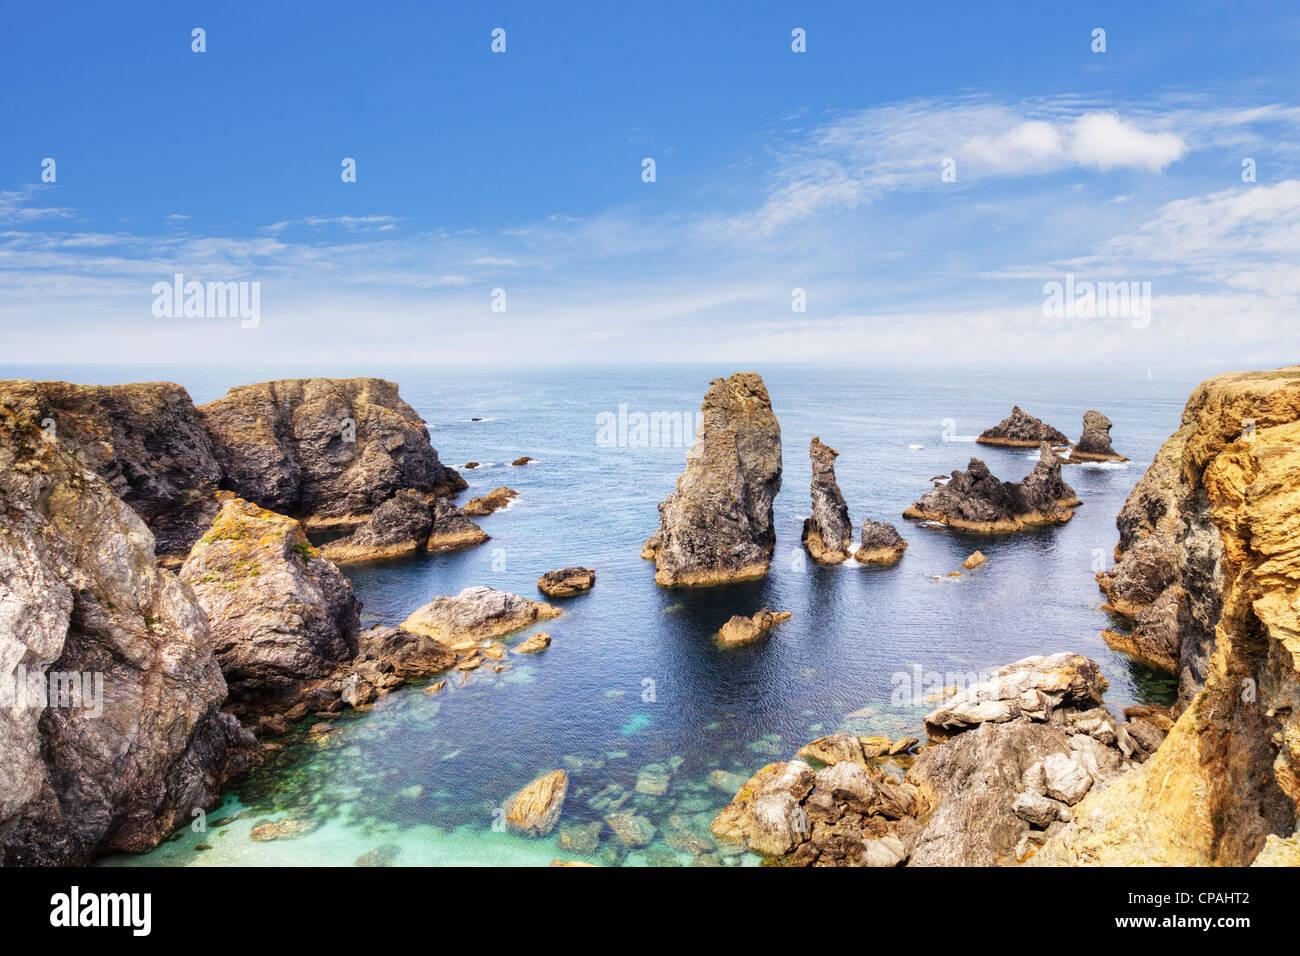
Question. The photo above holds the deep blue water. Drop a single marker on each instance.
(633, 676)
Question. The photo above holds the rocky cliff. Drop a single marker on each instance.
(328, 451)
(827, 533)
(144, 439)
(1208, 554)
(717, 525)
(133, 738)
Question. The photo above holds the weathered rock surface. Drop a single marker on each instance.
(1094, 444)
(717, 526)
(566, 582)
(534, 810)
(494, 500)
(827, 533)
(534, 643)
(119, 758)
(974, 560)
(1022, 430)
(145, 440)
(411, 656)
(742, 630)
(452, 530)
(1221, 504)
(975, 500)
(329, 451)
(398, 527)
(880, 544)
(283, 617)
(476, 614)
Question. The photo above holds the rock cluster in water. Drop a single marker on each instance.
(717, 526)
(494, 500)
(975, 500)
(1022, 430)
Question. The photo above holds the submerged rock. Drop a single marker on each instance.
(1022, 430)
(329, 451)
(133, 738)
(566, 582)
(476, 614)
(742, 630)
(145, 440)
(1094, 445)
(534, 810)
(283, 617)
(827, 534)
(717, 526)
(494, 500)
(881, 544)
(452, 530)
(975, 500)
(398, 527)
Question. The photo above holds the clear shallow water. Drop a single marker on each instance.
(633, 676)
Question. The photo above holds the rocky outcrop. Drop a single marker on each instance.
(534, 810)
(494, 500)
(717, 526)
(283, 617)
(975, 500)
(741, 630)
(111, 731)
(1094, 445)
(476, 614)
(1214, 516)
(880, 544)
(827, 533)
(398, 527)
(566, 582)
(328, 451)
(452, 530)
(1022, 430)
(145, 440)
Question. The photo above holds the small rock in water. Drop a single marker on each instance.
(974, 561)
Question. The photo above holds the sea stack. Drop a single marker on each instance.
(1095, 443)
(1022, 430)
(881, 544)
(828, 533)
(717, 526)
(975, 500)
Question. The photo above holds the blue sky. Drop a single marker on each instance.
(775, 170)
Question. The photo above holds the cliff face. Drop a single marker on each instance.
(328, 451)
(1216, 520)
(717, 525)
(144, 439)
(130, 737)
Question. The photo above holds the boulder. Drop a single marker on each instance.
(1022, 430)
(974, 561)
(494, 500)
(766, 814)
(522, 460)
(534, 810)
(283, 617)
(476, 614)
(834, 749)
(717, 526)
(412, 656)
(566, 582)
(398, 527)
(827, 532)
(742, 630)
(535, 642)
(451, 529)
(1094, 444)
(111, 728)
(881, 544)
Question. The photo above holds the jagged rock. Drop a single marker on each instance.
(1094, 445)
(1066, 780)
(400, 526)
(476, 614)
(975, 500)
(1220, 501)
(494, 500)
(1033, 687)
(742, 630)
(329, 451)
(535, 642)
(1038, 810)
(139, 740)
(283, 617)
(451, 529)
(765, 814)
(828, 532)
(1022, 430)
(566, 582)
(145, 440)
(1156, 633)
(881, 544)
(534, 810)
(412, 656)
(717, 526)
(834, 749)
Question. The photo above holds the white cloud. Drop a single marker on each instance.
(1104, 141)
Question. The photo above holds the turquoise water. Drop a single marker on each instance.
(633, 677)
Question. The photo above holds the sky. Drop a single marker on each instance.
(907, 187)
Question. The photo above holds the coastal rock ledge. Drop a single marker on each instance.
(717, 526)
